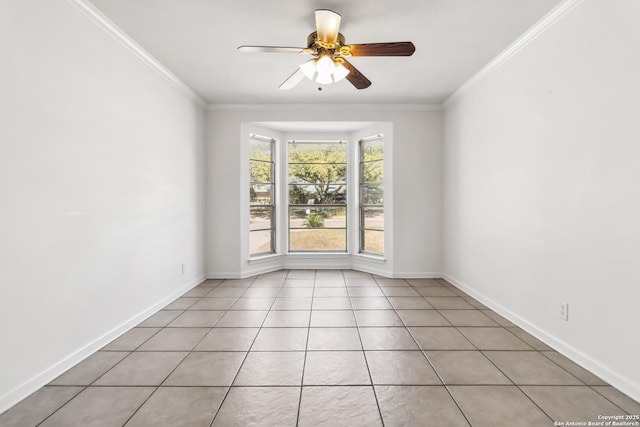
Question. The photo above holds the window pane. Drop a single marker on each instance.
(317, 176)
(317, 153)
(373, 218)
(373, 171)
(260, 218)
(318, 239)
(317, 173)
(260, 241)
(373, 241)
(261, 171)
(372, 150)
(261, 194)
(317, 194)
(259, 149)
(314, 217)
(373, 194)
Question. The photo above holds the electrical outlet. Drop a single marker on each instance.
(563, 311)
(184, 268)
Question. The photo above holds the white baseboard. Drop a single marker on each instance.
(269, 268)
(418, 275)
(259, 269)
(327, 261)
(372, 269)
(301, 265)
(28, 387)
(606, 373)
(223, 275)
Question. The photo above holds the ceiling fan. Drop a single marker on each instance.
(330, 52)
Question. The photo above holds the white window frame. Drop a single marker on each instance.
(361, 205)
(348, 214)
(274, 192)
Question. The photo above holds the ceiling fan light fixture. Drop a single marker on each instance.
(325, 65)
(329, 49)
(327, 25)
(324, 79)
(339, 73)
(309, 68)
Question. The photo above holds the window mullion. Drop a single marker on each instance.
(265, 147)
(376, 189)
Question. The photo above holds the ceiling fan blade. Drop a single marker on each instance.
(383, 49)
(293, 80)
(271, 49)
(327, 25)
(355, 77)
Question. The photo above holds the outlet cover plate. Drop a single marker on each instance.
(563, 311)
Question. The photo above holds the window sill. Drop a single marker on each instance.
(318, 255)
(373, 258)
(264, 258)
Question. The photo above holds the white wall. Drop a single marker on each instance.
(417, 181)
(102, 186)
(542, 188)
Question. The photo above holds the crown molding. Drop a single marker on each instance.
(325, 107)
(109, 27)
(550, 19)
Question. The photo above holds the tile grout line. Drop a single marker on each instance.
(518, 386)
(108, 370)
(306, 348)
(189, 352)
(497, 367)
(533, 349)
(388, 295)
(513, 384)
(444, 384)
(364, 354)
(584, 384)
(62, 406)
(592, 387)
(499, 326)
(226, 394)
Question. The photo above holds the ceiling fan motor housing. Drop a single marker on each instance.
(339, 47)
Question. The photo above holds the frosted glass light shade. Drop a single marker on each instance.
(325, 65)
(309, 68)
(327, 25)
(324, 79)
(340, 73)
(324, 69)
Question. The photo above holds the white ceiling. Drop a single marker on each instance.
(197, 41)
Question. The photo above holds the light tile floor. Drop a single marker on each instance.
(322, 348)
